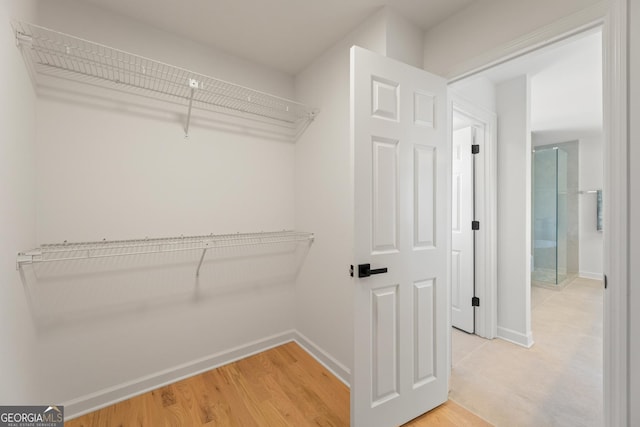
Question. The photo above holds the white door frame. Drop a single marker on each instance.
(486, 272)
(612, 16)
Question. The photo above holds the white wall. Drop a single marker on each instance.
(634, 212)
(478, 90)
(514, 210)
(591, 178)
(160, 173)
(83, 19)
(483, 26)
(324, 197)
(19, 384)
(109, 170)
(117, 167)
(405, 41)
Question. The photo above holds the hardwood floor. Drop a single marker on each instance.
(283, 386)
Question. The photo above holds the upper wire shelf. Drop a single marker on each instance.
(114, 248)
(49, 52)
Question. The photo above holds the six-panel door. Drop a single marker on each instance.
(402, 222)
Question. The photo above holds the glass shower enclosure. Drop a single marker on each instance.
(549, 216)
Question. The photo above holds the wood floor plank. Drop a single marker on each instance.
(450, 414)
(246, 398)
(290, 411)
(281, 387)
(228, 406)
(292, 388)
(327, 395)
(187, 400)
(272, 417)
(333, 392)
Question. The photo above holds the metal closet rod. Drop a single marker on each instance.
(114, 248)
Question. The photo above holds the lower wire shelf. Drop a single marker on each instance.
(115, 248)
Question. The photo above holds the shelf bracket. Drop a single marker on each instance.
(204, 252)
(22, 38)
(24, 258)
(193, 84)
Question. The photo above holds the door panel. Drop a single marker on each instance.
(424, 337)
(424, 181)
(462, 256)
(384, 99)
(424, 109)
(401, 221)
(385, 344)
(385, 194)
(455, 284)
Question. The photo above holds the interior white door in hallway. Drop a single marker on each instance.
(462, 242)
(402, 212)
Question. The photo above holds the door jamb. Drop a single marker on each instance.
(616, 216)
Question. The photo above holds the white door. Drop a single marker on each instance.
(402, 173)
(462, 257)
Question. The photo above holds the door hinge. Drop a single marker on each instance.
(475, 148)
(475, 302)
(605, 281)
(351, 270)
(475, 225)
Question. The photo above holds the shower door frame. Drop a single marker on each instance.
(558, 218)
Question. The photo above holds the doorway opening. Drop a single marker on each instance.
(549, 295)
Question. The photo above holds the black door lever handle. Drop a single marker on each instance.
(364, 270)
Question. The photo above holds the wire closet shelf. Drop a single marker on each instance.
(115, 248)
(52, 53)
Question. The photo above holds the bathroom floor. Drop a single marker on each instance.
(557, 382)
(546, 277)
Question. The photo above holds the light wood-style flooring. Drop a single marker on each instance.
(283, 386)
(556, 382)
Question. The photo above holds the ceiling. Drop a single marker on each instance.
(283, 34)
(566, 85)
(567, 95)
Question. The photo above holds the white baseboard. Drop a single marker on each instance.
(100, 399)
(336, 368)
(590, 275)
(524, 340)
